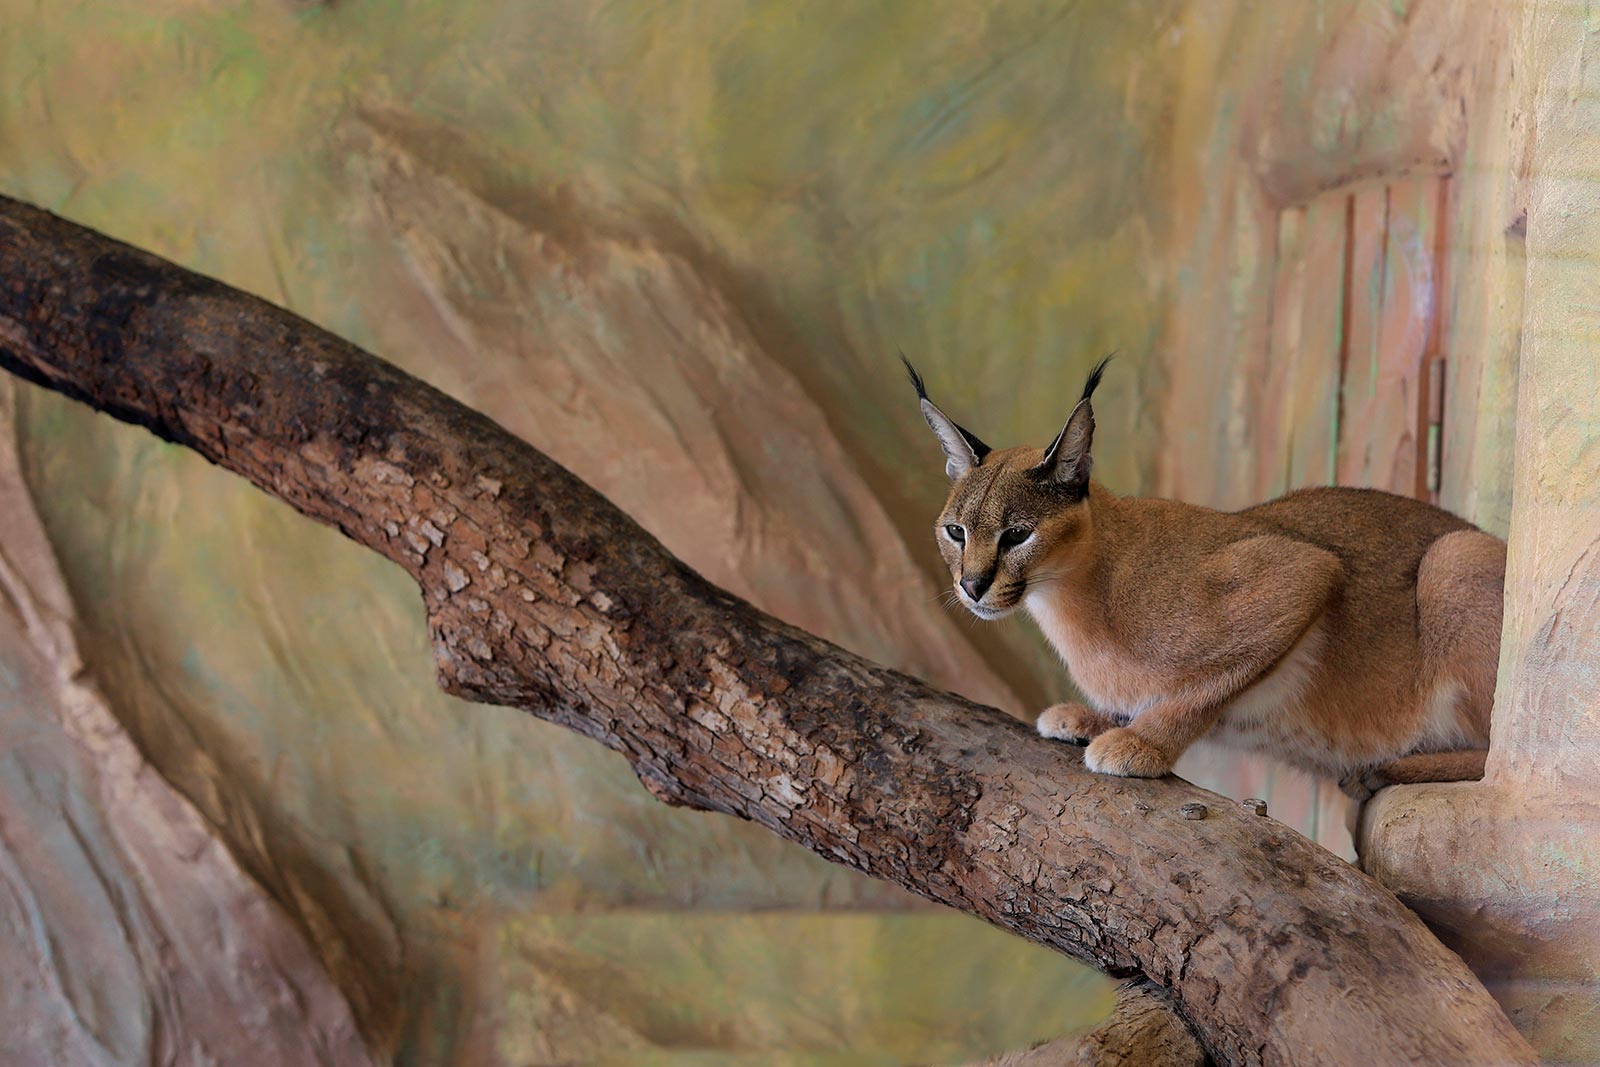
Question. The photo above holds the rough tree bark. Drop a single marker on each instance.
(1143, 1031)
(542, 595)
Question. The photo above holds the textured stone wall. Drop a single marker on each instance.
(128, 931)
(677, 246)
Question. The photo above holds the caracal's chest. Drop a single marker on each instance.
(1111, 679)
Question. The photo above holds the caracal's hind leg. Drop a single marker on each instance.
(1460, 591)
(1460, 596)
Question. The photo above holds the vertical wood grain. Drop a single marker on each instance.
(1274, 421)
(1297, 411)
(1360, 373)
(1435, 397)
(1383, 438)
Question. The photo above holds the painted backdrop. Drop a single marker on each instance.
(677, 247)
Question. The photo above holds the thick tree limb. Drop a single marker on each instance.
(1143, 1031)
(542, 595)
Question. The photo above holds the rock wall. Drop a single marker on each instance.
(129, 932)
(676, 246)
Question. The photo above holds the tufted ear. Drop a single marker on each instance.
(962, 450)
(1067, 461)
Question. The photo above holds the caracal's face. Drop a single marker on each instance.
(1004, 531)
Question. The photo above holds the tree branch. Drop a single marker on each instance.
(1143, 1031)
(543, 595)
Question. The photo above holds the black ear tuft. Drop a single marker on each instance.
(1094, 376)
(1067, 461)
(916, 379)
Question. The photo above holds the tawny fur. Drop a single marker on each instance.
(1339, 629)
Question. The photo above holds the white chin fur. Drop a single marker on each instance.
(984, 612)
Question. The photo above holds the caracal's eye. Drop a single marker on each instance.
(956, 533)
(1012, 536)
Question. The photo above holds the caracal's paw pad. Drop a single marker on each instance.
(1123, 752)
(1072, 722)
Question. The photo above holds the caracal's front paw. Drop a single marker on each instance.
(1073, 722)
(1123, 752)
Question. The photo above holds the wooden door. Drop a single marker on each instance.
(1351, 393)
(1391, 387)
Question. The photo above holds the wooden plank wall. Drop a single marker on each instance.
(1352, 362)
(1395, 270)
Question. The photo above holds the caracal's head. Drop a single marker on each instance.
(1015, 515)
